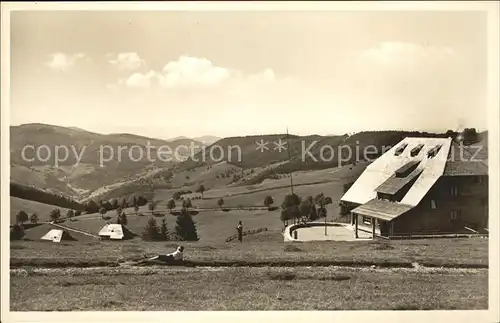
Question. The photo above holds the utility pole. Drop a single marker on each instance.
(325, 223)
(289, 158)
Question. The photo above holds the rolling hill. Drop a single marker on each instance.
(97, 167)
(230, 164)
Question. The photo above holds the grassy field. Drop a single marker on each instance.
(248, 289)
(30, 207)
(212, 226)
(265, 248)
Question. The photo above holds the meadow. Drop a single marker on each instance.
(248, 289)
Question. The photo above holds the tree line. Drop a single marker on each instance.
(34, 194)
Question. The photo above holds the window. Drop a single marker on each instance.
(433, 152)
(400, 149)
(454, 215)
(416, 150)
(367, 220)
(454, 191)
(407, 168)
(433, 204)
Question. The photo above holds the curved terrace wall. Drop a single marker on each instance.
(288, 233)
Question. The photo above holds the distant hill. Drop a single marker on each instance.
(252, 159)
(206, 140)
(92, 172)
(302, 152)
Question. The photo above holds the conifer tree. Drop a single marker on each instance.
(164, 234)
(185, 227)
(151, 231)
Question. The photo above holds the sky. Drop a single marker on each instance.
(167, 74)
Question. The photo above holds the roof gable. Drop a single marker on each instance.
(383, 168)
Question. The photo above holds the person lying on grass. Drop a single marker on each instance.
(175, 256)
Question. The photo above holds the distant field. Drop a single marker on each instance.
(212, 226)
(248, 289)
(30, 207)
(329, 181)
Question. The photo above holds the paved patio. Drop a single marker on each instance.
(334, 233)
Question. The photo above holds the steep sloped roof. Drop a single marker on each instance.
(384, 167)
(381, 209)
(467, 160)
(394, 184)
(113, 231)
(57, 235)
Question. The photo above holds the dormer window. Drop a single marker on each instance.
(433, 152)
(407, 168)
(400, 149)
(416, 150)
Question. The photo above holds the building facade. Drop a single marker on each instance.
(422, 186)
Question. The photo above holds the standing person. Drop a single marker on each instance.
(239, 228)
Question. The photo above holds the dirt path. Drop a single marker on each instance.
(142, 270)
(75, 230)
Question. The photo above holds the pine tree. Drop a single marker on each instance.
(164, 234)
(124, 220)
(151, 231)
(185, 227)
(313, 216)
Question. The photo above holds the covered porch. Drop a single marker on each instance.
(376, 216)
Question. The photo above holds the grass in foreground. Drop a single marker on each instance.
(260, 248)
(249, 289)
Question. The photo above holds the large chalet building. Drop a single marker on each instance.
(421, 186)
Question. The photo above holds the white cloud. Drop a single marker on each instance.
(64, 62)
(139, 80)
(194, 72)
(127, 61)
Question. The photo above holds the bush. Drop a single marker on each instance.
(34, 218)
(22, 217)
(16, 232)
(55, 214)
(268, 201)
